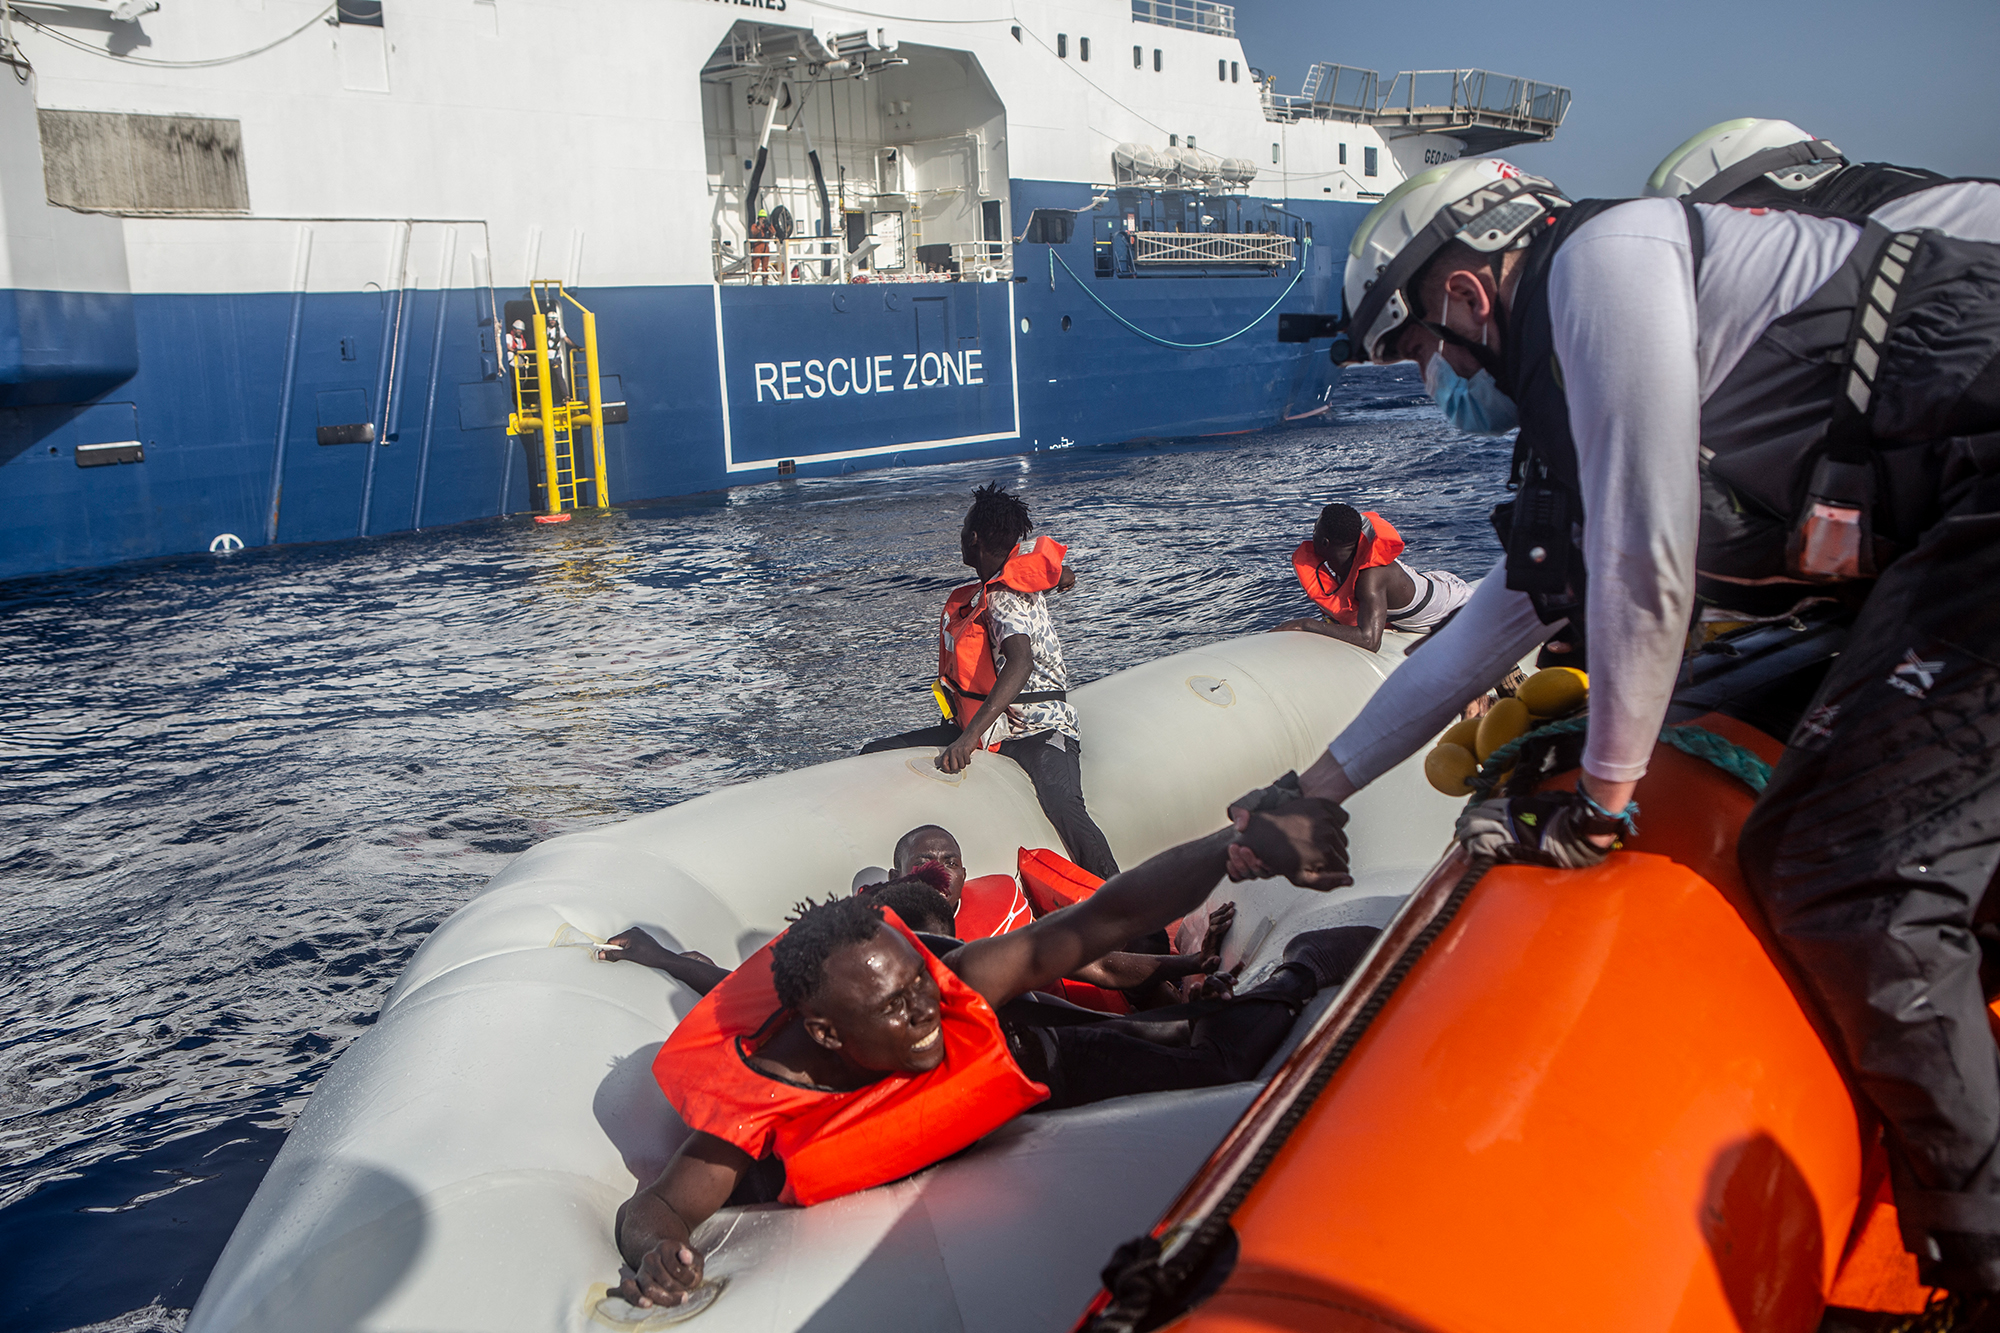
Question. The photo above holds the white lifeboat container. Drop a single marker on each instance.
(459, 1166)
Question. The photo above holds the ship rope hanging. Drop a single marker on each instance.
(150, 62)
(1055, 259)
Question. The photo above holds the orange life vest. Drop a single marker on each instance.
(833, 1143)
(991, 905)
(965, 651)
(1380, 544)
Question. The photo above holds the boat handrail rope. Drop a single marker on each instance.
(1304, 255)
(1739, 763)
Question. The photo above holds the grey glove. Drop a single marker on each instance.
(1545, 828)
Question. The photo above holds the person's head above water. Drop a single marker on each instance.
(918, 899)
(1336, 536)
(997, 520)
(860, 989)
(928, 842)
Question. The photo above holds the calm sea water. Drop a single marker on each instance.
(238, 791)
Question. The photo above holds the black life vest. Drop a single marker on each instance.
(1849, 402)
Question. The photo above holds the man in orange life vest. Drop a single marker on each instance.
(1350, 568)
(1001, 665)
(994, 905)
(853, 1055)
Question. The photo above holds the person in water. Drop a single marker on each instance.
(1352, 569)
(1000, 666)
(854, 1056)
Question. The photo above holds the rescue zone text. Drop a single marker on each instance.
(788, 380)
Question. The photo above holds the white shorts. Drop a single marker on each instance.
(1439, 593)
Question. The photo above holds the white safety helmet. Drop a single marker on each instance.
(1723, 158)
(1488, 204)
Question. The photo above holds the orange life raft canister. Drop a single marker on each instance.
(833, 1143)
(965, 653)
(1380, 544)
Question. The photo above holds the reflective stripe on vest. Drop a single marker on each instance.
(833, 1143)
(1379, 545)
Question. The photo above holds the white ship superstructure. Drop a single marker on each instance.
(261, 259)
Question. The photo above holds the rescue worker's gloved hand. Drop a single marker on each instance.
(1279, 831)
(1544, 828)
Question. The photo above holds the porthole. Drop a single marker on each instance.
(1024, 324)
(1065, 323)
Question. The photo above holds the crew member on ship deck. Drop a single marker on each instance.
(854, 1056)
(1352, 568)
(1000, 665)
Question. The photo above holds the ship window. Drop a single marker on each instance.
(1343, 155)
(1173, 141)
(366, 13)
(1017, 32)
(1274, 152)
(1083, 48)
(1368, 161)
(1062, 45)
(1190, 141)
(119, 162)
(1156, 60)
(1221, 70)
(1138, 57)
(1234, 69)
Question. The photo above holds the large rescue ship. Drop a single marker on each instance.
(278, 271)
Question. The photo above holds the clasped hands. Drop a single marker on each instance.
(1282, 831)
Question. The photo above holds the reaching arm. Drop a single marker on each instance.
(692, 970)
(1625, 330)
(1371, 612)
(1020, 654)
(654, 1225)
(1132, 903)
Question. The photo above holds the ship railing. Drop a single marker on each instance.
(1263, 249)
(1218, 20)
(818, 260)
(1438, 99)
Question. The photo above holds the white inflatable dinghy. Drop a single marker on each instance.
(459, 1167)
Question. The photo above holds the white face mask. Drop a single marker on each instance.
(1476, 406)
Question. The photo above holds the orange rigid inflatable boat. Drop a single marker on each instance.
(1552, 1100)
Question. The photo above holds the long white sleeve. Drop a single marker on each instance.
(1492, 632)
(1622, 295)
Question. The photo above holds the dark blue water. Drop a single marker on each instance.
(238, 791)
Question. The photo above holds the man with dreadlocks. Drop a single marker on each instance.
(1000, 669)
(853, 1055)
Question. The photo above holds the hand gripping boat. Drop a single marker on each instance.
(459, 1166)
(1554, 1100)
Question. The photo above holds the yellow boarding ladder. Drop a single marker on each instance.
(539, 411)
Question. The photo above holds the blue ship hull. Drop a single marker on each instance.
(722, 384)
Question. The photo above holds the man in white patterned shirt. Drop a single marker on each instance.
(1027, 707)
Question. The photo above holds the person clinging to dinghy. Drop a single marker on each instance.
(1001, 671)
(1352, 568)
(1766, 398)
(852, 1055)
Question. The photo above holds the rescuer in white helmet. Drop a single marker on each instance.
(1807, 426)
(1756, 163)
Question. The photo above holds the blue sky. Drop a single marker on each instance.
(1915, 82)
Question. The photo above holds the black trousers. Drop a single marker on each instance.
(1210, 1043)
(1871, 852)
(1056, 771)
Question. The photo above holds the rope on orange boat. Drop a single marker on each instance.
(1739, 763)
